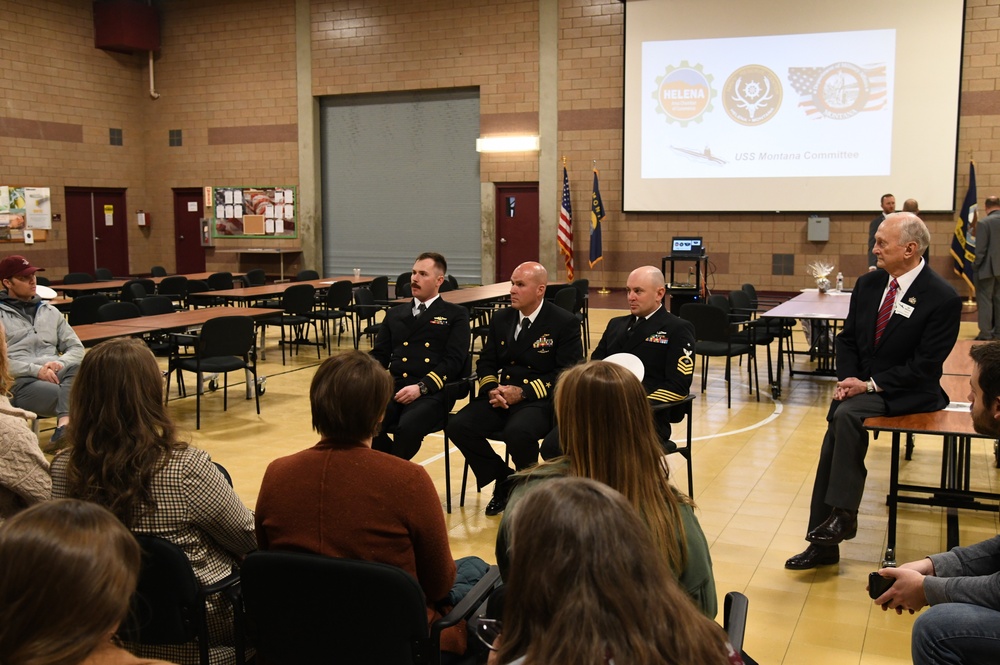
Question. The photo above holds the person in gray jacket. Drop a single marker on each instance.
(44, 351)
(987, 270)
(961, 586)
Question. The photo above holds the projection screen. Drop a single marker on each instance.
(790, 106)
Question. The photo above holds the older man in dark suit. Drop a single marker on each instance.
(664, 343)
(526, 348)
(902, 323)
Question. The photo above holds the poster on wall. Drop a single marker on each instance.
(238, 212)
(38, 208)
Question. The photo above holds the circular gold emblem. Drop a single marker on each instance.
(752, 95)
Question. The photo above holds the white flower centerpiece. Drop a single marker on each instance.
(821, 273)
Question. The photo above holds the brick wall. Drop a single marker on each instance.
(227, 78)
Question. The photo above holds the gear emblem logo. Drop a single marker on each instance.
(684, 93)
(752, 95)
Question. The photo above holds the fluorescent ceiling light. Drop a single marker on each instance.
(507, 144)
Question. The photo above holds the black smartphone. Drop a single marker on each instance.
(877, 585)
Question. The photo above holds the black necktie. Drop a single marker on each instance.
(421, 308)
(525, 324)
(631, 325)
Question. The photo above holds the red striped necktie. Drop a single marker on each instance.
(885, 311)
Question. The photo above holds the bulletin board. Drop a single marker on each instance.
(253, 212)
(24, 208)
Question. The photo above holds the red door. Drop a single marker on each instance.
(97, 230)
(517, 227)
(187, 230)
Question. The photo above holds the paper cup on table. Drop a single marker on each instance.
(357, 273)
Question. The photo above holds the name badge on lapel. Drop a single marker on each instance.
(903, 309)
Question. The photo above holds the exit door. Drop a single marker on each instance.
(97, 230)
(517, 227)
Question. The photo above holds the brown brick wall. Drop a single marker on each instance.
(227, 67)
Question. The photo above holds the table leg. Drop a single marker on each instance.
(893, 493)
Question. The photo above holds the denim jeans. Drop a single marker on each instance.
(956, 633)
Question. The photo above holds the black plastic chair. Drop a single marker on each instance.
(42, 281)
(168, 607)
(154, 305)
(306, 276)
(255, 277)
(104, 275)
(680, 410)
(734, 618)
(334, 309)
(220, 281)
(199, 294)
(713, 337)
(225, 344)
(582, 287)
(380, 290)
(176, 289)
(757, 332)
(83, 310)
(78, 278)
(158, 271)
(565, 298)
(132, 291)
(297, 303)
(402, 286)
(309, 608)
(117, 311)
(365, 309)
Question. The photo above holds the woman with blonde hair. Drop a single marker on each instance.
(588, 585)
(124, 454)
(24, 473)
(69, 570)
(607, 434)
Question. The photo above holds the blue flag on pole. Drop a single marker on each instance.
(596, 215)
(963, 245)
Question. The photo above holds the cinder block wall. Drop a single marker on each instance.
(227, 78)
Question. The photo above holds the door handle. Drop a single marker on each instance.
(182, 237)
(503, 241)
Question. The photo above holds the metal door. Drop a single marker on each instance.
(516, 225)
(188, 211)
(97, 230)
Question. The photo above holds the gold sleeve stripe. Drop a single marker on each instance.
(436, 379)
(486, 380)
(539, 387)
(662, 395)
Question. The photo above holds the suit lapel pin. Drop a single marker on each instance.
(912, 300)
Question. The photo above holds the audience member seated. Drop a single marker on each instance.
(124, 454)
(69, 570)
(962, 625)
(343, 499)
(588, 584)
(44, 351)
(606, 428)
(24, 473)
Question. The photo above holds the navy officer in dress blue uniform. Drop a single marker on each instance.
(663, 342)
(424, 343)
(527, 346)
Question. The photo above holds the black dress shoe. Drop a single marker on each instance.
(841, 525)
(499, 501)
(983, 338)
(815, 555)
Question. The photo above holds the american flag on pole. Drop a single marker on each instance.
(564, 234)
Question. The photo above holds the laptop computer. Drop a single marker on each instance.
(686, 247)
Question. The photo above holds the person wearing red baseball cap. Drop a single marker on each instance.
(42, 348)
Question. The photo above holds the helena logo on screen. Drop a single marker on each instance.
(684, 93)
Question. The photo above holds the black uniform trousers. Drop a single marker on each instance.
(410, 423)
(520, 427)
(841, 474)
